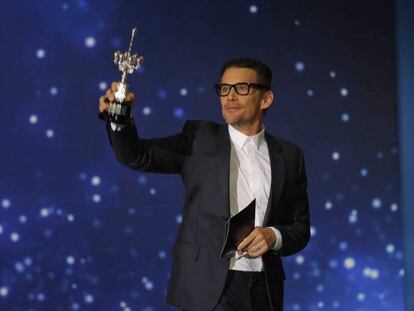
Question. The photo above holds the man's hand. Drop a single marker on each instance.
(258, 242)
(109, 96)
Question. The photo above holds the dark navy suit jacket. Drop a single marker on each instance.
(201, 155)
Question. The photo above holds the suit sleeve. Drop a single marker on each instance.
(161, 155)
(296, 235)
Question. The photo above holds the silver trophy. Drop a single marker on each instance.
(119, 111)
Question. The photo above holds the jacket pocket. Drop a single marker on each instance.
(184, 250)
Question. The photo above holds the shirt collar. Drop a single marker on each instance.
(240, 139)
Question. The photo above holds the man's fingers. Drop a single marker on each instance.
(130, 97)
(257, 242)
(245, 243)
(103, 105)
(257, 249)
(110, 95)
(114, 86)
(252, 246)
(102, 99)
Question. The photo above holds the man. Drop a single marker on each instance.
(223, 167)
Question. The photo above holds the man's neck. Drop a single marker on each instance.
(249, 130)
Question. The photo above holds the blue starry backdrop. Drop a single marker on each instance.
(78, 231)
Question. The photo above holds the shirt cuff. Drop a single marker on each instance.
(116, 127)
(278, 243)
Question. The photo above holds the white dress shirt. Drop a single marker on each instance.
(250, 178)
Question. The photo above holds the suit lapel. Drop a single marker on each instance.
(277, 166)
(222, 157)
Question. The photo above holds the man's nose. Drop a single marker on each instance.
(232, 94)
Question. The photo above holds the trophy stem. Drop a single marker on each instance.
(124, 76)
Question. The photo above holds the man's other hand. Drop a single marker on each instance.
(258, 242)
(109, 96)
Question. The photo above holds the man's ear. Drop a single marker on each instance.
(267, 100)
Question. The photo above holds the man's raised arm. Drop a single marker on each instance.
(162, 155)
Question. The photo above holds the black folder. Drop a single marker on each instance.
(237, 228)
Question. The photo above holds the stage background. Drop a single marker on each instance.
(80, 232)
(405, 48)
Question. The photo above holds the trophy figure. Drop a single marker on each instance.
(119, 111)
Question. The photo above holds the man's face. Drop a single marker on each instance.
(239, 110)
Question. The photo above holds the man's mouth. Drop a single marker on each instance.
(232, 108)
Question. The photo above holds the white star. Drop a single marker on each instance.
(5, 203)
(33, 119)
(14, 237)
(90, 42)
(183, 92)
(349, 263)
(253, 9)
(70, 260)
(103, 86)
(40, 53)
(299, 66)
(50, 133)
(96, 181)
(335, 155)
(146, 111)
(4, 291)
(344, 92)
(96, 198)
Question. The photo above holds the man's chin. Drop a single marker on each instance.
(234, 123)
(231, 119)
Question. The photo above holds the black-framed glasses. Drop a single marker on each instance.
(242, 88)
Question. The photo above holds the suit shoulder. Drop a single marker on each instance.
(288, 146)
(197, 125)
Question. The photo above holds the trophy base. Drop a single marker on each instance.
(119, 113)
